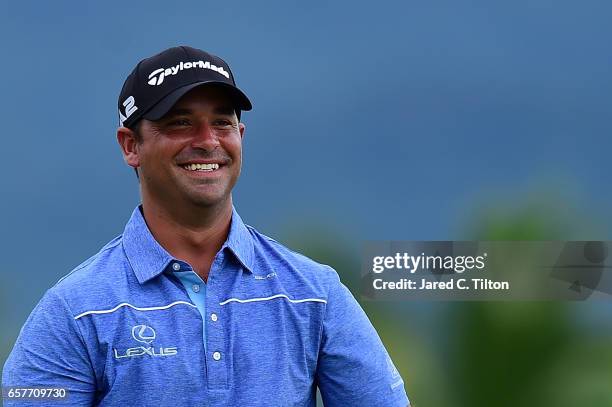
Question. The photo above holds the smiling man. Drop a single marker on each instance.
(189, 306)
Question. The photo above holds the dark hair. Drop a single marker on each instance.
(138, 137)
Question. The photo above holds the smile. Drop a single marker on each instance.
(201, 167)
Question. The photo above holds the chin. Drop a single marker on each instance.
(207, 201)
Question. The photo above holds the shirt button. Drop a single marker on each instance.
(196, 288)
(214, 317)
(216, 355)
(176, 266)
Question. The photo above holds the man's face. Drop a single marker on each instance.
(194, 153)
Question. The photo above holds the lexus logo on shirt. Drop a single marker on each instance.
(145, 334)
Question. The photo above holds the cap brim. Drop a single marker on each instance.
(240, 100)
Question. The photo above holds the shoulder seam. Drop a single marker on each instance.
(78, 329)
(283, 246)
(90, 260)
(329, 288)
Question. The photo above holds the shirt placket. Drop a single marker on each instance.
(216, 356)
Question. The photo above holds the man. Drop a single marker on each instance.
(190, 306)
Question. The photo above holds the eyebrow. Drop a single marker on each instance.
(224, 110)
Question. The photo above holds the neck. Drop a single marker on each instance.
(194, 236)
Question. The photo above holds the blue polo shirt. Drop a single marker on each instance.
(133, 326)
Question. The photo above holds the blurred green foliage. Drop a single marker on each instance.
(474, 354)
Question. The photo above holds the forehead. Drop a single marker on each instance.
(204, 97)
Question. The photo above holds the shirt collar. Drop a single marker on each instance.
(149, 259)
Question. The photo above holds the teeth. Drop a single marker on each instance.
(201, 167)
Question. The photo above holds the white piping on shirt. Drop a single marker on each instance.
(271, 298)
(125, 304)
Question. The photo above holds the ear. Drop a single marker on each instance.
(129, 146)
(241, 128)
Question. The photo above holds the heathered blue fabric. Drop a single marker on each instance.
(122, 330)
(196, 289)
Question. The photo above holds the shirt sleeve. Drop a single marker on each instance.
(50, 353)
(354, 368)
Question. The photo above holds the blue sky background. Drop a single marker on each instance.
(378, 120)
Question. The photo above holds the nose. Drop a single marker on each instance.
(205, 138)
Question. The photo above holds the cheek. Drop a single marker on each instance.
(234, 147)
(161, 151)
(156, 161)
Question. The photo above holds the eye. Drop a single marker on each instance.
(179, 122)
(222, 122)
